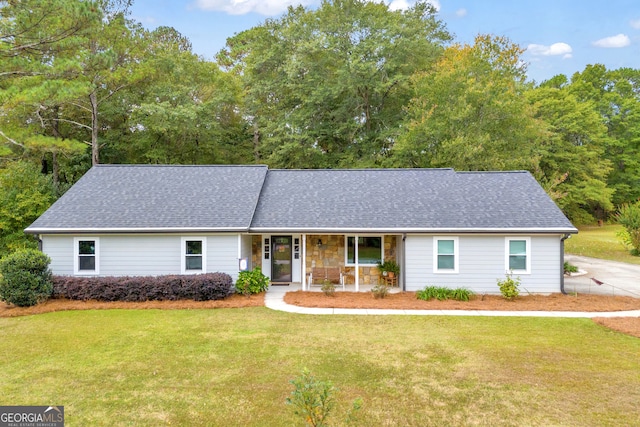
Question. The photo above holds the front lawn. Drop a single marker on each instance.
(231, 367)
(600, 242)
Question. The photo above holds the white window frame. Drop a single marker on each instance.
(527, 241)
(456, 257)
(76, 256)
(356, 258)
(183, 254)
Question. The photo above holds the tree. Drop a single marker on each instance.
(60, 90)
(186, 111)
(24, 195)
(326, 88)
(468, 112)
(616, 95)
(36, 40)
(571, 167)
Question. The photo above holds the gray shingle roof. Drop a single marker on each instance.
(405, 200)
(251, 198)
(124, 197)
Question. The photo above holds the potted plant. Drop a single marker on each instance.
(389, 268)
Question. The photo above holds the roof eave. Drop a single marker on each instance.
(136, 230)
(418, 230)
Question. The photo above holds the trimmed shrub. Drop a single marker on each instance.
(252, 282)
(25, 278)
(198, 287)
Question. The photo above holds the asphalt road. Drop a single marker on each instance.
(619, 278)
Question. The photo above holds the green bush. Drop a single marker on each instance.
(461, 294)
(25, 278)
(252, 282)
(509, 287)
(568, 268)
(629, 217)
(441, 293)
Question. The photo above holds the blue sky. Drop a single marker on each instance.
(561, 36)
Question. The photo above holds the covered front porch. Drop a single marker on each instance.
(350, 261)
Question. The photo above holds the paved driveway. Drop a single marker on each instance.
(619, 278)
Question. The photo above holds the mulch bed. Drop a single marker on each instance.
(233, 301)
(404, 300)
(408, 301)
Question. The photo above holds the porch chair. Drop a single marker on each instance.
(319, 274)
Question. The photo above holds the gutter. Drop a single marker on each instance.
(565, 237)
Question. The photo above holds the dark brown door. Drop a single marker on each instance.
(281, 258)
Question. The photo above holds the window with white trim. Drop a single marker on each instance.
(370, 250)
(445, 254)
(86, 255)
(518, 254)
(194, 255)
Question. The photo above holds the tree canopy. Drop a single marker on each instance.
(350, 83)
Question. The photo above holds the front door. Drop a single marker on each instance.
(281, 258)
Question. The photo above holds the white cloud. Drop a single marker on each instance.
(241, 7)
(461, 12)
(399, 5)
(620, 40)
(553, 50)
(406, 4)
(635, 23)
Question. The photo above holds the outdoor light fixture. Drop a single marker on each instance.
(319, 242)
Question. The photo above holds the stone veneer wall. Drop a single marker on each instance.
(331, 253)
(256, 251)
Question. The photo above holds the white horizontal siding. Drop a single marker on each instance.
(144, 254)
(482, 263)
(222, 254)
(60, 250)
(139, 255)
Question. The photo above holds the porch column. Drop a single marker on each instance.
(357, 275)
(304, 262)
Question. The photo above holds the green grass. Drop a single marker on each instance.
(232, 367)
(600, 242)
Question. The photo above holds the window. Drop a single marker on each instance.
(445, 254)
(193, 255)
(369, 250)
(518, 255)
(86, 255)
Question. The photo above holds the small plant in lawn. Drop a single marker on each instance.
(380, 290)
(252, 282)
(328, 288)
(568, 268)
(314, 400)
(25, 278)
(509, 287)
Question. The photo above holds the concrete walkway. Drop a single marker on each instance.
(274, 299)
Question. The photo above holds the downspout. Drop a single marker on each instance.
(403, 262)
(565, 237)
